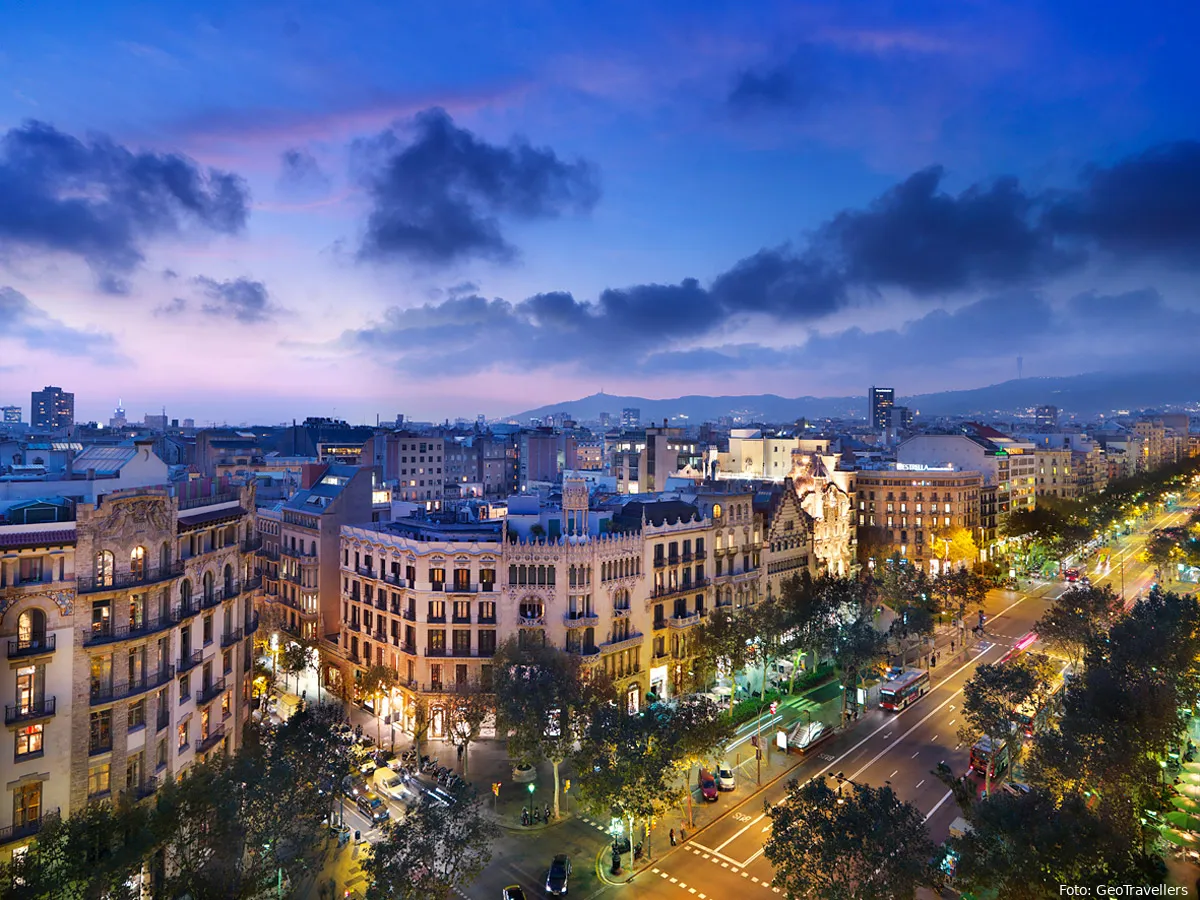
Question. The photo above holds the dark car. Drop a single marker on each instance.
(352, 787)
(372, 807)
(556, 878)
(708, 785)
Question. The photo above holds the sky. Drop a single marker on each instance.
(252, 212)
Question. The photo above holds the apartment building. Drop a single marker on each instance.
(414, 463)
(129, 623)
(622, 589)
(905, 509)
(1055, 473)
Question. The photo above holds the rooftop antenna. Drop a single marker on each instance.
(1020, 365)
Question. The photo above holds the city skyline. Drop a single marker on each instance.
(255, 215)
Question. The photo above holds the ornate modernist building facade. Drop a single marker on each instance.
(128, 625)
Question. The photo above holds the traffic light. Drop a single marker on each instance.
(496, 788)
(568, 785)
(774, 706)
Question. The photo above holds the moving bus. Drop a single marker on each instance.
(981, 757)
(1032, 717)
(903, 689)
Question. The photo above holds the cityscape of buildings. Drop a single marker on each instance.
(142, 563)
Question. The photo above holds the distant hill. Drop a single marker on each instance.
(1083, 395)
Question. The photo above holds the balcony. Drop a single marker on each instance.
(111, 692)
(187, 662)
(208, 693)
(308, 558)
(34, 646)
(251, 625)
(659, 562)
(460, 620)
(147, 787)
(215, 735)
(435, 651)
(580, 619)
(486, 620)
(253, 583)
(464, 589)
(436, 620)
(90, 584)
(438, 586)
(687, 587)
(410, 614)
(621, 612)
(686, 557)
(634, 640)
(252, 544)
(395, 580)
(271, 553)
(582, 650)
(660, 624)
(672, 560)
(11, 833)
(685, 621)
(531, 621)
(107, 632)
(380, 637)
(231, 637)
(365, 571)
(354, 625)
(29, 711)
(487, 587)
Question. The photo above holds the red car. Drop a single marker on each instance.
(708, 785)
(1072, 576)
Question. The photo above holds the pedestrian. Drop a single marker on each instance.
(672, 837)
(524, 815)
(460, 752)
(547, 812)
(952, 646)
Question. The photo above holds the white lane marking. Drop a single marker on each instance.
(938, 804)
(893, 775)
(915, 755)
(919, 783)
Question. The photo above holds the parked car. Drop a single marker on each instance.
(726, 780)
(1015, 788)
(352, 786)
(708, 785)
(512, 892)
(556, 878)
(371, 806)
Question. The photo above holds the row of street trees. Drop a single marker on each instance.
(1055, 527)
(1096, 776)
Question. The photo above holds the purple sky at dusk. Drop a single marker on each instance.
(254, 212)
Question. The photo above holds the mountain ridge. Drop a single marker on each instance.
(1082, 395)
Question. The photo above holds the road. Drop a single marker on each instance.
(726, 859)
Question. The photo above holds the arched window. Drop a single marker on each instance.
(185, 593)
(208, 587)
(31, 629)
(228, 581)
(532, 609)
(137, 564)
(104, 568)
(164, 558)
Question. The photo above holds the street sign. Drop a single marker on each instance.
(774, 706)
(496, 788)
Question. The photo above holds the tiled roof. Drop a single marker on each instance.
(47, 538)
(191, 520)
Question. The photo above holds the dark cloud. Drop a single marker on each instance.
(113, 284)
(1147, 205)
(439, 192)
(38, 330)
(775, 87)
(177, 306)
(916, 237)
(300, 173)
(103, 202)
(925, 240)
(169, 274)
(242, 299)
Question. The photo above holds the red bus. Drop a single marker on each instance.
(904, 689)
(981, 757)
(1033, 717)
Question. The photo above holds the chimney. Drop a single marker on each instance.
(664, 423)
(91, 474)
(310, 474)
(70, 468)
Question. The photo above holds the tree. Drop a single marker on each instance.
(722, 645)
(466, 711)
(1077, 619)
(435, 850)
(542, 703)
(989, 701)
(959, 591)
(1026, 847)
(96, 852)
(855, 647)
(378, 682)
(911, 628)
(859, 843)
(293, 660)
(956, 545)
